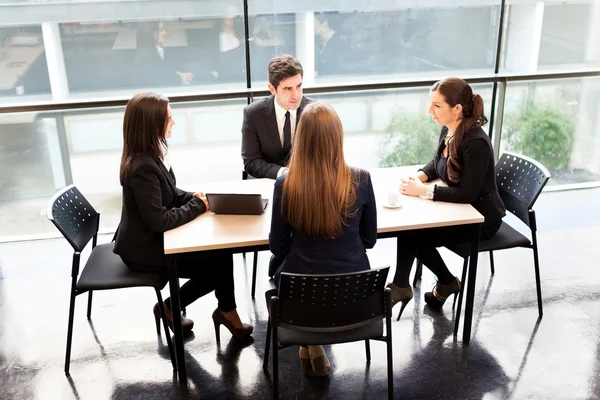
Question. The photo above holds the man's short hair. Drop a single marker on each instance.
(283, 67)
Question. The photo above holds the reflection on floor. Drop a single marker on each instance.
(117, 355)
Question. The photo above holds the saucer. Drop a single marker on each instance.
(397, 205)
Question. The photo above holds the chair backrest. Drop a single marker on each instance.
(335, 302)
(74, 217)
(520, 181)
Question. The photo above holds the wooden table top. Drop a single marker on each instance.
(211, 231)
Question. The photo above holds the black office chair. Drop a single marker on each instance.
(520, 181)
(255, 262)
(328, 309)
(78, 222)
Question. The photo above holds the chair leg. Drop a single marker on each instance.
(254, 267)
(89, 308)
(538, 282)
(418, 273)
(267, 344)
(460, 295)
(275, 364)
(492, 263)
(163, 317)
(70, 330)
(390, 361)
(368, 350)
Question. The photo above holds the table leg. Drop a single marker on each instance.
(176, 311)
(471, 285)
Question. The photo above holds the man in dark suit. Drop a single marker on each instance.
(269, 124)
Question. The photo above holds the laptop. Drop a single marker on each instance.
(236, 203)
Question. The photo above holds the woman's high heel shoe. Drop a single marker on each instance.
(440, 293)
(238, 333)
(304, 359)
(186, 323)
(400, 295)
(319, 361)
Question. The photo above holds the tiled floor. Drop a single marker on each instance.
(512, 355)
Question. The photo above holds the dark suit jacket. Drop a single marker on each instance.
(477, 185)
(262, 151)
(152, 204)
(346, 253)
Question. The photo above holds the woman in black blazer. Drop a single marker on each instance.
(152, 204)
(324, 213)
(464, 160)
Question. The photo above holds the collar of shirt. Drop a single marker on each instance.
(280, 116)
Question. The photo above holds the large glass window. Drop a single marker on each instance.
(551, 35)
(23, 64)
(390, 128)
(165, 55)
(42, 152)
(376, 41)
(556, 123)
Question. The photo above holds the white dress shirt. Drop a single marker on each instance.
(280, 116)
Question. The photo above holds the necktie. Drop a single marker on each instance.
(287, 132)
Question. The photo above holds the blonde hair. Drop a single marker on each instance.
(318, 192)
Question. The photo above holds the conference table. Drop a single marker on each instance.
(211, 233)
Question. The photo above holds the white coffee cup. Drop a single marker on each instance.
(392, 198)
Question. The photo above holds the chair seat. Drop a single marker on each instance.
(506, 238)
(106, 270)
(288, 336)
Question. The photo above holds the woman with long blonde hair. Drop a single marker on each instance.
(324, 213)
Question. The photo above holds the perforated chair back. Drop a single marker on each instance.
(520, 181)
(322, 303)
(74, 217)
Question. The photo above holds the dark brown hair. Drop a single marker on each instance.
(457, 91)
(144, 126)
(319, 191)
(283, 67)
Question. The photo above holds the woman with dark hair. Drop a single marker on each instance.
(464, 161)
(324, 214)
(152, 204)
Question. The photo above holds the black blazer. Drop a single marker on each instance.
(152, 204)
(262, 151)
(477, 185)
(346, 253)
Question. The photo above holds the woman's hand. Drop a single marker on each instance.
(412, 186)
(202, 196)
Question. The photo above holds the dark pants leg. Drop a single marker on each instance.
(205, 275)
(428, 255)
(422, 245)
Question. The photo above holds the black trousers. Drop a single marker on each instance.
(422, 246)
(205, 274)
